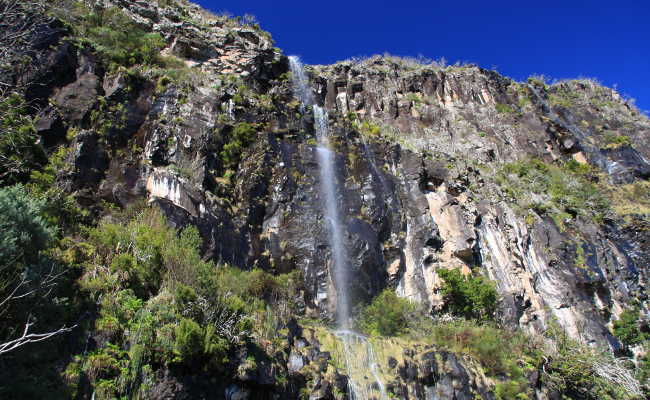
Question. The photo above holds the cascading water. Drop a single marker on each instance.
(357, 350)
(331, 213)
(300, 83)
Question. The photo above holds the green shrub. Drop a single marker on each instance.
(241, 136)
(560, 190)
(27, 275)
(155, 253)
(467, 296)
(613, 141)
(643, 374)
(189, 340)
(24, 230)
(627, 330)
(506, 354)
(19, 151)
(163, 305)
(538, 80)
(580, 372)
(117, 38)
(367, 128)
(386, 315)
(503, 108)
(511, 390)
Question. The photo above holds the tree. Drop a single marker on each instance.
(26, 276)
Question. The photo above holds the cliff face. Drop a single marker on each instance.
(424, 159)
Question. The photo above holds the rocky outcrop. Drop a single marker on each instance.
(418, 187)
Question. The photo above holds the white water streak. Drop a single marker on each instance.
(329, 194)
(356, 347)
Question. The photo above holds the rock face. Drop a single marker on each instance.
(417, 151)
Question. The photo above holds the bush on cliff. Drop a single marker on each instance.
(20, 152)
(577, 371)
(386, 315)
(627, 330)
(159, 305)
(117, 38)
(241, 136)
(562, 191)
(470, 297)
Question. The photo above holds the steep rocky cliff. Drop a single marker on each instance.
(541, 188)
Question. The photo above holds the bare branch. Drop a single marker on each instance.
(22, 288)
(27, 337)
(614, 370)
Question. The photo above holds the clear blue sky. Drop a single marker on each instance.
(607, 40)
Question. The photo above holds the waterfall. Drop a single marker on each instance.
(329, 191)
(300, 83)
(357, 350)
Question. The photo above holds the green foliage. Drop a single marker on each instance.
(189, 340)
(161, 304)
(117, 38)
(24, 231)
(498, 350)
(643, 373)
(19, 151)
(241, 136)
(503, 108)
(44, 179)
(367, 128)
(538, 80)
(25, 234)
(560, 190)
(574, 371)
(414, 98)
(386, 315)
(627, 330)
(467, 296)
(35, 288)
(613, 141)
(629, 199)
(141, 253)
(511, 389)
(563, 95)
